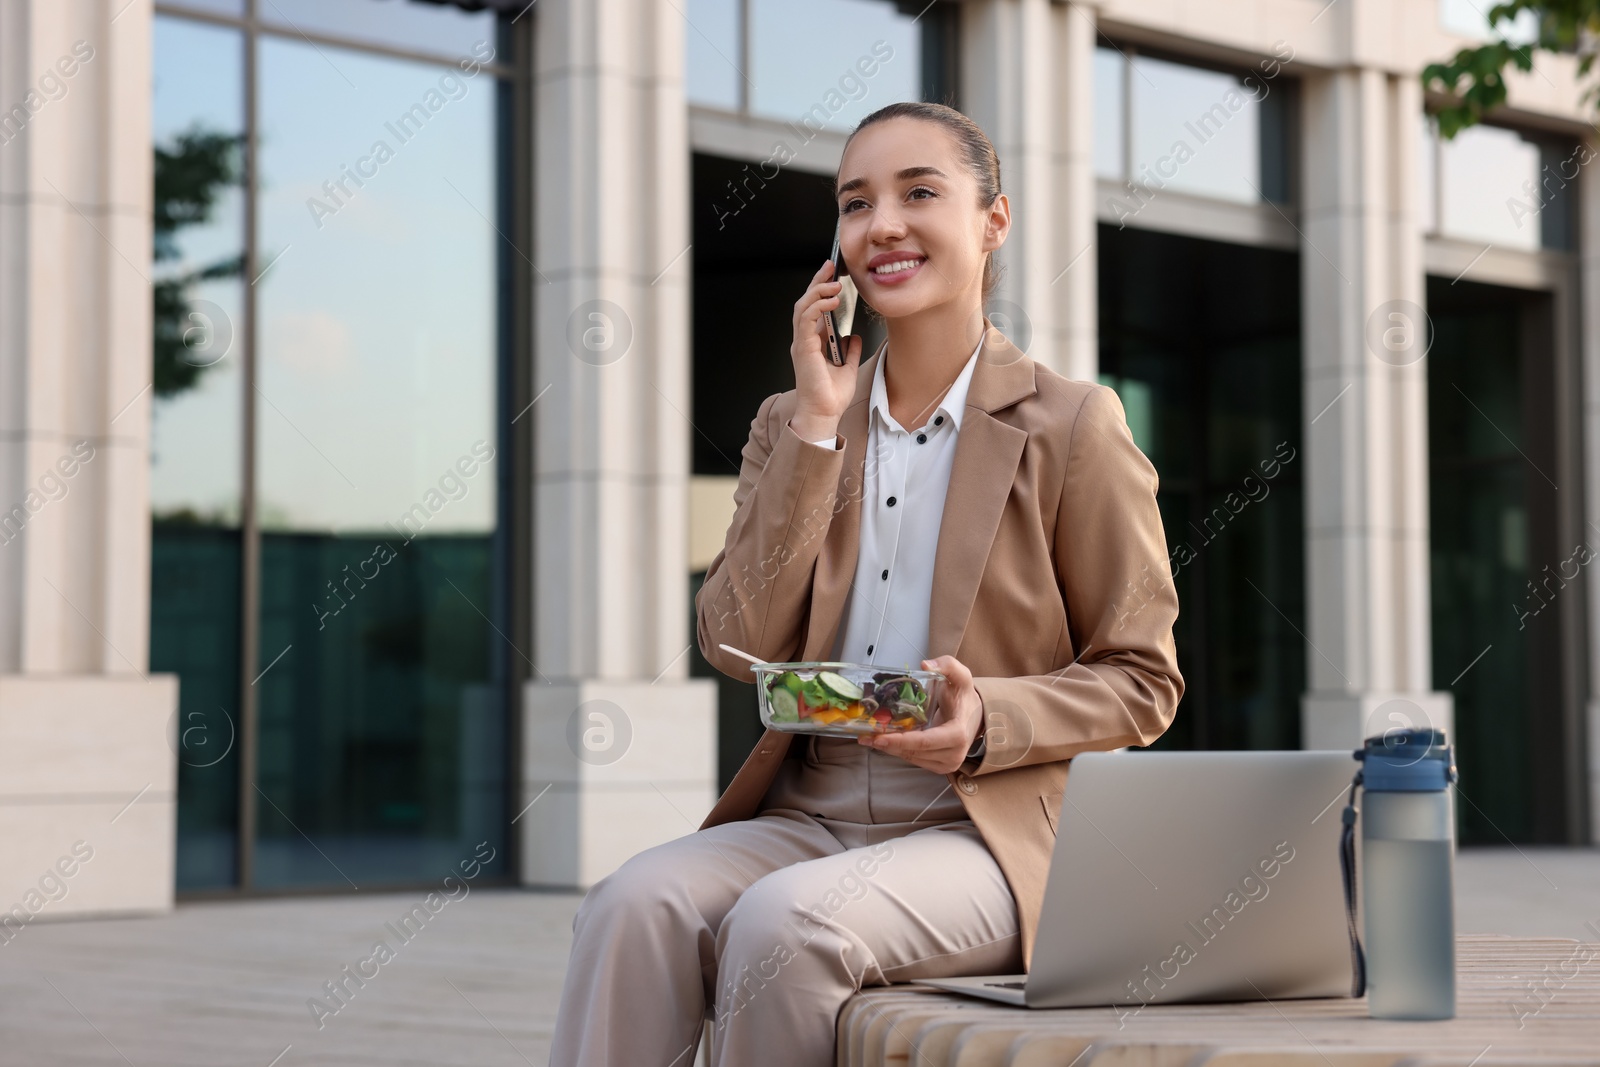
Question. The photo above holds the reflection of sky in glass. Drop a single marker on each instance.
(378, 327)
(801, 51)
(1108, 113)
(194, 436)
(1482, 169)
(406, 24)
(1217, 118)
(711, 53)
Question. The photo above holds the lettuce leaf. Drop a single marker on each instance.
(817, 695)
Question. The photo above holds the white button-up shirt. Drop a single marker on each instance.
(905, 477)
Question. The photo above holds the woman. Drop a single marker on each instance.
(1004, 532)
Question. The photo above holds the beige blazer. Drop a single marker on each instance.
(1046, 483)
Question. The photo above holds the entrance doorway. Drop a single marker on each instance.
(1201, 339)
(1508, 557)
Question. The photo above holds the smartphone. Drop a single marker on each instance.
(840, 326)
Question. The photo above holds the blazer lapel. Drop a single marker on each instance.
(981, 475)
(982, 472)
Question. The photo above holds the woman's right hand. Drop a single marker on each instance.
(824, 390)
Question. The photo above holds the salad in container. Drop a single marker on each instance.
(846, 699)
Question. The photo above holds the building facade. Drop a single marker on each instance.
(374, 376)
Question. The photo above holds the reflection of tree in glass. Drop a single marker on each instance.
(189, 177)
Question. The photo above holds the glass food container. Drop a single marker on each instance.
(846, 699)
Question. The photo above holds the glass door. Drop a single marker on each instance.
(331, 562)
(196, 491)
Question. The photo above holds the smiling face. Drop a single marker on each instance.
(911, 229)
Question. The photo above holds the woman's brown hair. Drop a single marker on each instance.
(976, 150)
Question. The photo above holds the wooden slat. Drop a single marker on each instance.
(1529, 1060)
(989, 1042)
(1302, 1056)
(1056, 1051)
(1498, 1020)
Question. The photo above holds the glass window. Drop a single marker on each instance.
(380, 306)
(1204, 132)
(1470, 18)
(821, 65)
(379, 339)
(1504, 187)
(1110, 141)
(1195, 130)
(1483, 168)
(197, 120)
(377, 464)
(216, 7)
(714, 56)
(423, 27)
(829, 63)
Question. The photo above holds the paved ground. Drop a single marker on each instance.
(228, 983)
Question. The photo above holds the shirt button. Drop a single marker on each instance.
(922, 438)
(939, 421)
(891, 502)
(965, 783)
(869, 650)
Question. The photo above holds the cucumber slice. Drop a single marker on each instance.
(784, 705)
(839, 685)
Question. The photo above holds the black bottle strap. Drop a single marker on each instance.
(1347, 866)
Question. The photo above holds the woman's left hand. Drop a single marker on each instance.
(943, 745)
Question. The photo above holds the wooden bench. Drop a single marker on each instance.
(1499, 1021)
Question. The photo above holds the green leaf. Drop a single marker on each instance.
(1475, 77)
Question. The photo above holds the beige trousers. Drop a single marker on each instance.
(859, 869)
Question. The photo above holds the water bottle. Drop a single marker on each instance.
(1408, 874)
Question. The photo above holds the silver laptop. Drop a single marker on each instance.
(1190, 876)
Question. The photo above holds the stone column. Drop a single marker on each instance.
(1073, 286)
(619, 744)
(1365, 412)
(88, 772)
(1027, 78)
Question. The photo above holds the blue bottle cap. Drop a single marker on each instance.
(1412, 760)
